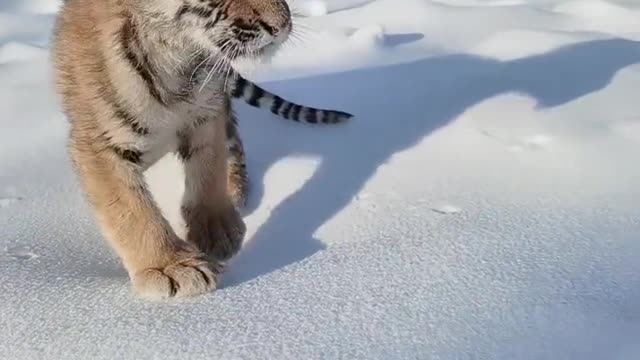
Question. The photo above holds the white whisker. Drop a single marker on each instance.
(197, 67)
(181, 62)
(213, 69)
(206, 80)
(229, 68)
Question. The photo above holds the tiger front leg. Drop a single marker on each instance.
(213, 222)
(159, 264)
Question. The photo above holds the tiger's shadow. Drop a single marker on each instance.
(395, 107)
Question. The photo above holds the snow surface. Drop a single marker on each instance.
(482, 204)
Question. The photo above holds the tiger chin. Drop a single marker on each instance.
(142, 78)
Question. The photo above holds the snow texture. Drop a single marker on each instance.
(482, 204)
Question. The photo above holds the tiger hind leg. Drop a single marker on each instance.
(237, 177)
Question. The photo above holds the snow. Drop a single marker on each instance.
(482, 203)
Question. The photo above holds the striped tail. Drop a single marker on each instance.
(258, 97)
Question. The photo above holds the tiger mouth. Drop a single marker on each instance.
(244, 52)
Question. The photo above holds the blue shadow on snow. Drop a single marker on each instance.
(384, 102)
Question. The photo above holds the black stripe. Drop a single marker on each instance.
(200, 120)
(204, 276)
(232, 126)
(183, 93)
(219, 15)
(186, 149)
(132, 156)
(277, 104)
(325, 117)
(173, 286)
(241, 83)
(287, 110)
(182, 11)
(141, 65)
(311, 116)
(202, 12)
(230, 129)
(212, 23)
(295, 115)
(130, 120)
(256, 95)
(225, 9)
(119, 111)
(105, 135)
(183, 146)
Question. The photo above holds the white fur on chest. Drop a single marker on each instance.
(165, 122)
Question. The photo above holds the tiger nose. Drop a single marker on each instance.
(283, 28)
(280, 20)
(274, 16)
(279, 31)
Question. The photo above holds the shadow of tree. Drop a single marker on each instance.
(395, 107)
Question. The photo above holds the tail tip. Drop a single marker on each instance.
(337, 117)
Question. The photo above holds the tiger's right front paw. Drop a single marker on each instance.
(187, 277)
(218, 232)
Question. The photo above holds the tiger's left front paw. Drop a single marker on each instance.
(218, 232)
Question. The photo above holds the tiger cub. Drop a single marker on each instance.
(141, 78)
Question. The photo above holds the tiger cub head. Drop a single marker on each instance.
(234, 28)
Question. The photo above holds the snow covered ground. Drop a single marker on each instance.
(484, 203)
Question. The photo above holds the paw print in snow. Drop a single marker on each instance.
(8, 201)
(446, 209)
(20, 253)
